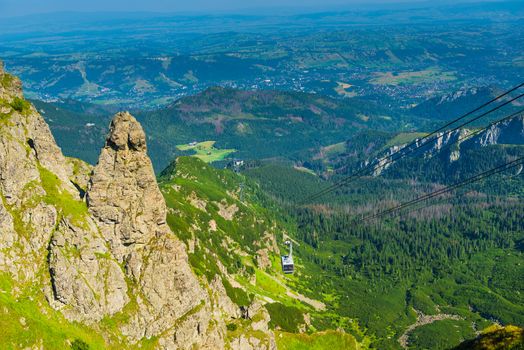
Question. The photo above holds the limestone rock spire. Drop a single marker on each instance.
(124, 198)
(123, 194)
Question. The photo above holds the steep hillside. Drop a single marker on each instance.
(452, 156)
(423, 279)
(444, 158)
(91, 251)
(95, 261)
(235, 234)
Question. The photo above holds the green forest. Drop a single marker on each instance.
(459, 255)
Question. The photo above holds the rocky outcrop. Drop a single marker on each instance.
(123, 194)
(124, 198)
(509, 132)
(41, 217)
(27, 151)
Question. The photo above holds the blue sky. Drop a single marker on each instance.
(9, 8)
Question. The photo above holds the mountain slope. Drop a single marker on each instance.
(235, 235)
(239, 120)
(443, 157)
(245, 120)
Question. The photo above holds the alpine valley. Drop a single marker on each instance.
(165, 226)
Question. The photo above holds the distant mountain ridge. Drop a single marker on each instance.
(453, 150)
(452, 105)
(235, 119)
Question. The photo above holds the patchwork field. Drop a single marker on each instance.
(429, 75)
(344, 89)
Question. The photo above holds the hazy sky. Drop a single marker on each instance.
(10, 8)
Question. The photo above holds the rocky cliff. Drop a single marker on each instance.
(95, 242)
(453, 144)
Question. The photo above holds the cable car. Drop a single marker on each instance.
(288, 267)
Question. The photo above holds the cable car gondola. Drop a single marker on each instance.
(288, 267)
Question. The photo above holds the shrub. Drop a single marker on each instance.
(79, 345)
(231, 327)
(20, 105)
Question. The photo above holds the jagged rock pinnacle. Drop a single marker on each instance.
(123, 194)
(126, 133)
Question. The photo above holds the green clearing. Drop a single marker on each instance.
(206, 151)
(412, 78)
(441, 334)
(334, 148)
(403, 138)
(331, 340)
(287, 318)
(305, 170)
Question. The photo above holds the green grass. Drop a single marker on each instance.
(7, 80)
(330, 340)
(75, 209)
(20, 105)
(421, 302)
(403, 138)
(440, 335)
(334, 149)
(27, 320)
(237, 295)
(206, 151)
(412, 77)
(268, 283)
(496, 338)
(287, 318)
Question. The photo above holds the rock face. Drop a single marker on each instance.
(41, 217)
(87, 281)
(508, 132)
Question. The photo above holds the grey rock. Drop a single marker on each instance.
(85, 277)
(124, 198)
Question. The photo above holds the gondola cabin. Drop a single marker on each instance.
(288, 267)
(287, 264)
